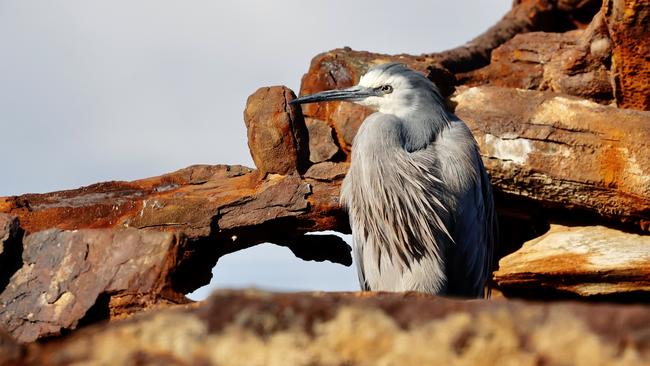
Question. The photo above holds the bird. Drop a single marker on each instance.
(417, 193)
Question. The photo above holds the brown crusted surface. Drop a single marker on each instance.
(562, 150)
(573, 63)
(525, 16)
(277, 136)
(322, 146)
(66, 273)
(256, 328)
(629, 25)
(75, 277)
(587, 261)
(196, 200)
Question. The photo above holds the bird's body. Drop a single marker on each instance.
(418, 196)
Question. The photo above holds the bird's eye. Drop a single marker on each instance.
(386, 89)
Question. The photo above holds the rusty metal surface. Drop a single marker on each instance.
(257, 328)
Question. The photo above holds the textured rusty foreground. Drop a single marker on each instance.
(257, 328)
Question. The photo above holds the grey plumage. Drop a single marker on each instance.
(418, 196)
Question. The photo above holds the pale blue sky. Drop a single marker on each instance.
(120, 90)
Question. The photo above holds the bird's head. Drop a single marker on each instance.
(388, 88)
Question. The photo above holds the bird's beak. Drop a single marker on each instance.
(352, 94)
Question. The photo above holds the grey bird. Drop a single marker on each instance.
(419, 199)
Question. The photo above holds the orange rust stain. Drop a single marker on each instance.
(7, 204)
(561, 264)
(611, 166)
(69, 218)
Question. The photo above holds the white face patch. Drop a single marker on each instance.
(372, 79)
(375, 79)
(410, 91)
(389, 101)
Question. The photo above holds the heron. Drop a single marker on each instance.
(418, 196)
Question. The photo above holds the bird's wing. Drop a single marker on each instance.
(468, 197)
(473, 221)
(470, 259)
